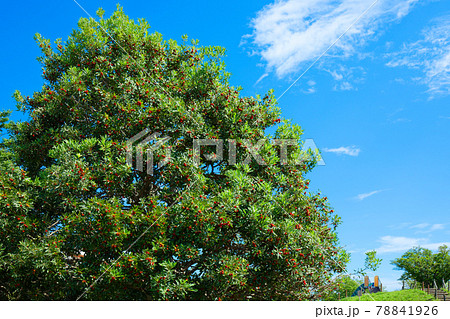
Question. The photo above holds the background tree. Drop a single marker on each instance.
(371, 262)
(442, 265)
(75, 218)
(421, 265)
(343, 285)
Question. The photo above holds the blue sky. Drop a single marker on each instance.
(377, 104)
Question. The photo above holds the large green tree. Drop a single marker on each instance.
(421, 265)
(77, 220)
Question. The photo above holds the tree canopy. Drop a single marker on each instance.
(78, 221)
(422, 265)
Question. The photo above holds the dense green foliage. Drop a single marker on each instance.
(421, 265)
(343, 287)
(73, 213)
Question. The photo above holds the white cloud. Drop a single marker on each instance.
(430, 55)
(336, 75)
(435, 246)
(311, 89)
(344, 76)
(344, 86)
(261, 78)
(288, 33)
(394, 243)
(437, 227)
(394, 118)
(426, 228)
(399, 226)
(420, 226)
(391, 244)
(432, 228)
(365, 195)
(346, 150)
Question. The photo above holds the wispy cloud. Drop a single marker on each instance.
(345, 150)
(288, 33)
(430, 55)
(344, 76)
(311, 87)
(425, 228)
(261, 78)
(397, 116)
(399, 226)
(365, 195)
(395, 243)
(344, 86)
(437, 227)
(420, 226)
(391, 244)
